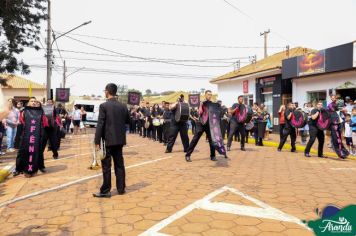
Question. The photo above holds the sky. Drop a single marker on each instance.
(180, 44)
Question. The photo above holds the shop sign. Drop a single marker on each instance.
(311, 63)
(245, 86)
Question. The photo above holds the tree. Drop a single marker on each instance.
(167, 92)
(148, 92)
(19, 28)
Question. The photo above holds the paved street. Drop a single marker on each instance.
(258, 192)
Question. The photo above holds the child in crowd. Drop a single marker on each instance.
(353, 124)
(348, 134)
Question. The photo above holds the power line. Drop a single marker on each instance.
(217, 60)
(135, 57)
(255, 21)
(136, 73)
(121, 61)
(170, 44)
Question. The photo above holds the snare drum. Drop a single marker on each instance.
(156, 122)
(249, 126)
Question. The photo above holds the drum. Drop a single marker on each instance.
(249, 126)
(244, 115)
(299, 119)
(324, 120)
(156, 122)
(182, 112)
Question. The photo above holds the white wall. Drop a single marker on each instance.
(11, 92)
(228, 91)
(320, 83)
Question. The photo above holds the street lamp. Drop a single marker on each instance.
(49, 47)
(66, 76)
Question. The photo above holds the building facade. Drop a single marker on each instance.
(317, 75)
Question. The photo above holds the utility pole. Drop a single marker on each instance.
(49, 52)
(265, 39)
(64, 74)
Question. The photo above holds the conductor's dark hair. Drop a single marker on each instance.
(207, 91)
(111, 88)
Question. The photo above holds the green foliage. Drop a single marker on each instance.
(19, 28)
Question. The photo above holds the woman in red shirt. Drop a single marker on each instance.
(282, 120)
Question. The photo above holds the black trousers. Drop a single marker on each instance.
(114, 152)
(234, 126)
(314, 133)
(194, 126)
(157, 133)
(50, 134)
(165, 131)
(199, 132)
(288, 130)
(182, 129)
(281, 127)
(140, 127)
(223, 126)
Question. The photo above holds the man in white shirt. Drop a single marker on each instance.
(76, 119)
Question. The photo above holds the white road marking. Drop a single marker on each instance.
(265, 211)
(75, 182)
(343, 168)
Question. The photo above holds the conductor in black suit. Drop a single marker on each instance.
(111, 128)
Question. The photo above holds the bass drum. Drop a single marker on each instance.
(244, 115)
(324, 120)
(299, 119)
(182, 112)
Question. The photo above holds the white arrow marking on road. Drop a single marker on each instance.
(263, 211)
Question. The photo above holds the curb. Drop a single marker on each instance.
(300, 149)
(6, 171)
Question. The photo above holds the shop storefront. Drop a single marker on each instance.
(317, 75)
(272, 91)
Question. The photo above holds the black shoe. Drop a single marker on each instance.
(187, 158)
(243, 149)
(226, 157)
(16, 173)
(168, 151)
(43, 170)
(322, 156)
(307, 155)
(228, 149)
(213, 158)
(121, 192)
(102, 195)
(55, 157)
(293, 150)
(279, 150)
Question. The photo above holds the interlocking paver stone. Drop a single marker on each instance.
(155, 191)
